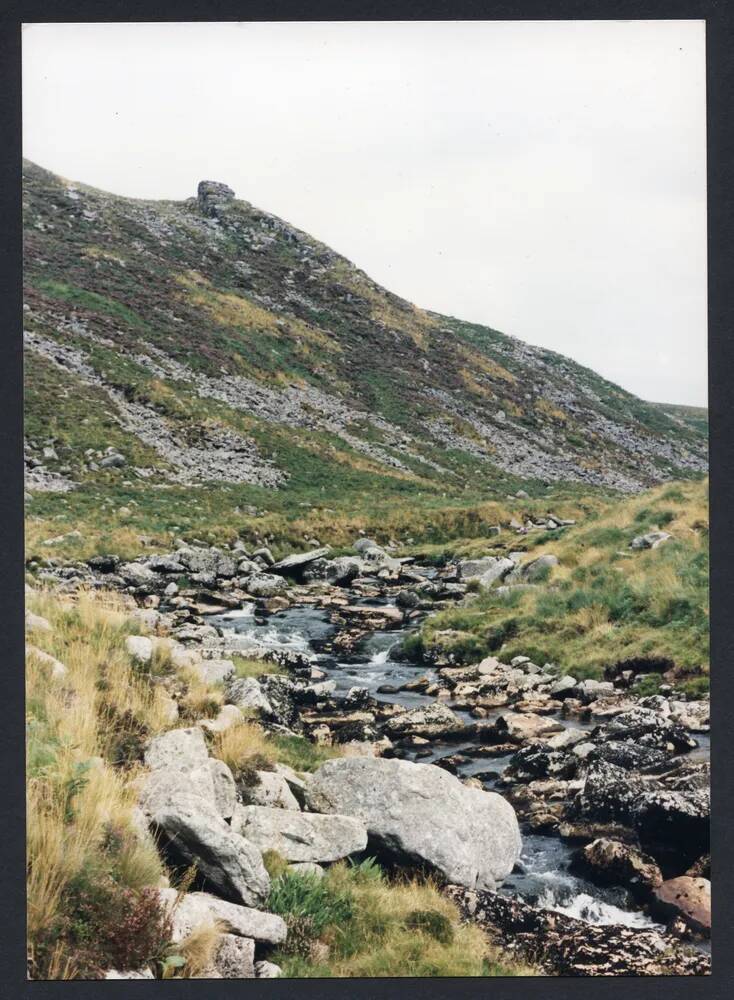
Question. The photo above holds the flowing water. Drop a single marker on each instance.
(542, 875)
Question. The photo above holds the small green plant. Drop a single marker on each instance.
(431, 922)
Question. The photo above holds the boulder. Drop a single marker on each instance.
(212, 197)
(650, 541)
(213, 671)
(137, 575)
(611, 862)
(486, 570)
(57, 668)
(190, 831)
(201, 909)
(234, 958)
(521, 727)
(685, 897)
(430, 721)
(247, 694)
(272, 790)
(299, 560)
(35, 623)
(140, 648)
(228, 716)
(343, 570)
(266, 585)
(422, 815)
(212, 560)
(225, 790)
(533, 571)
(300, 836)
(178, 749)
(307, 868)
(267, 970)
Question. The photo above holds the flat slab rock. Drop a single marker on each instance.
(420, 814)
(200, 909)
(300, 836)
(300, 559)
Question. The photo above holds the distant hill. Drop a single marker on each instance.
(207, 341)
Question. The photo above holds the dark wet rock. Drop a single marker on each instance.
(280, 692)
(565, 946)
(674, 825)
(104, 564)
(534, 762)
(629, 756)
(611, 862)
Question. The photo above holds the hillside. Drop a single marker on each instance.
(171, 345)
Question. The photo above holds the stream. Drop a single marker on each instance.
(542, 875)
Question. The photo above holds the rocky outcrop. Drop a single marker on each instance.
(422, 816)
(212, 197)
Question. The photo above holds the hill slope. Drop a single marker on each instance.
(208, 342)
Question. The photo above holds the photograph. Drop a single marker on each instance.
(366, 499)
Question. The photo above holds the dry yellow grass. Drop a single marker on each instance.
(74, 795)
(240, 744)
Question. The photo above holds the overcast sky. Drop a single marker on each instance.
(547, 179)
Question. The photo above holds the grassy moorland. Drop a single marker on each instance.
(604, 603)
(92, 903)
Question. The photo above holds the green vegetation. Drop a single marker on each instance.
(604, 603)
(356, 921)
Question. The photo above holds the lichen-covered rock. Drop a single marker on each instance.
(422, 815)
(427, 721)
(191, 832)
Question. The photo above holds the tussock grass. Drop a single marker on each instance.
(253, 668)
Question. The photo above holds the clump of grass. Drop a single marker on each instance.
(253, 668)
(200, 701)
(300, 753)
(245, 749)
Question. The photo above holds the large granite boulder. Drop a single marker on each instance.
(420, 814)
(190, 831)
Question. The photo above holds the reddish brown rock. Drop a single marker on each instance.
(688, 898)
